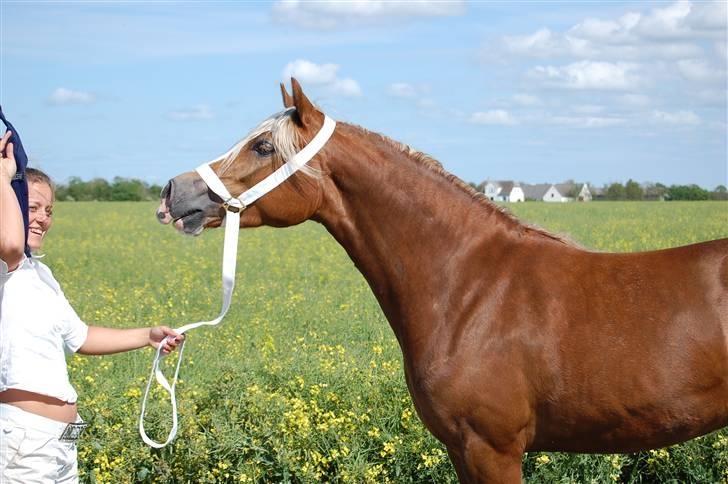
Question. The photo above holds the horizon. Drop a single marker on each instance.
(642, 184)
(526, 91)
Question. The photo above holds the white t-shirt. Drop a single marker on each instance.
(37, 328)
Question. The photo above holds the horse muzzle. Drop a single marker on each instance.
(187, 203)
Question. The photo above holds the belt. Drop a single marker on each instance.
(65, 432)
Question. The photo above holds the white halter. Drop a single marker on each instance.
(233, 207)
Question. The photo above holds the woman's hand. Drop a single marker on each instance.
(169, 338)
(7, 158)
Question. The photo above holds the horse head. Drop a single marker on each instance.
(187, 200)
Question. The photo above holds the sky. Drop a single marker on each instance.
(531, 91)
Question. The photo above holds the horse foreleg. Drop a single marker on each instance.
(476, 461)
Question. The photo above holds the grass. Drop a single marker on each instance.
(303, 381)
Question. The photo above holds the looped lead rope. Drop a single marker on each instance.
(234, 206)
(229, 259)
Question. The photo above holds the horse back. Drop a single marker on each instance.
(639, 346)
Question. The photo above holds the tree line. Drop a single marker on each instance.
(657, 191)
(132, 189)
(98, 189)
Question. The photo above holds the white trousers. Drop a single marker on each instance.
(30, 451)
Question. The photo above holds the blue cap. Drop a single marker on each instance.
(19, 182)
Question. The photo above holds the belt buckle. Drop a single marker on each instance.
(72, 432)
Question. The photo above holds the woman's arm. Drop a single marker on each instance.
(105, 341)
(12, 230)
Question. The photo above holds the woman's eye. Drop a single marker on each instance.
(264, 148)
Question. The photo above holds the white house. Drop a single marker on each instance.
(584, 194)
(503, 191)
(554, 195)
(558, 193)
(579, 190)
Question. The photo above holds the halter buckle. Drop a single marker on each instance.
(232, 208)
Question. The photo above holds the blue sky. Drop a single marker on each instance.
(529, 91)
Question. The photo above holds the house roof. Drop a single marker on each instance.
(535, 192)
(505, 185)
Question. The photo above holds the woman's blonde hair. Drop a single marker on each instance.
(34, 175)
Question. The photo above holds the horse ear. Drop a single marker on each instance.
(287, 99)
(304, 108)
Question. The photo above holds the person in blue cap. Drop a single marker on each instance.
(39, 421)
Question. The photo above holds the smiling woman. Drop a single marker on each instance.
(41, 194)
(39, 419)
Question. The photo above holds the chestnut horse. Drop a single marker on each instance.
(513, 339)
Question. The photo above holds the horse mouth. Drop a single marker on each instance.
(190, 222)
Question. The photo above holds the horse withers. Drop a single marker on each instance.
(513, 339)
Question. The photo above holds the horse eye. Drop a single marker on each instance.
(264, 148)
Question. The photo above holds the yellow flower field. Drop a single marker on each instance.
(303, 381)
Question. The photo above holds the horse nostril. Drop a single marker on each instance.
(166, 191)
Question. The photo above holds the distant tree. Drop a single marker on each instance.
(155, 190)
(720, 193)
(78, 190)
(633, 190)
(654, 191)
(616, 191)
(687, 192)
(124, 189)
(62, 193)
(99, 189)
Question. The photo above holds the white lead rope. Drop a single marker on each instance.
(233, 205)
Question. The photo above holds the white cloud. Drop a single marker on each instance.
(63, 96)
(526, 100)
(402, 89)
(196, 113)
(331, 14)
(346, 87)
(699, 70)
(710, 16)
(672, 32)
(634, 100)
(586, 121)
(408, 90)
(721, 49)
(678, 117)
(668, 22)
(588, 75)
(494, 116)
(588, 109)
(325, 75)
(541, 43)
(310, 73)
(604, 30)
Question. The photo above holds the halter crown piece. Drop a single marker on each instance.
(233, 206)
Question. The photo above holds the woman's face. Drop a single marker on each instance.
(40, 205)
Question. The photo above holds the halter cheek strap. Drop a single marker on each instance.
(233, 206)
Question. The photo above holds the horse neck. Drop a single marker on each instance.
(406, 226)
